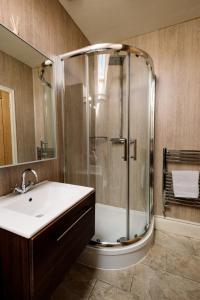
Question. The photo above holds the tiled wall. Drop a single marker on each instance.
(46, 26)
(175, 52)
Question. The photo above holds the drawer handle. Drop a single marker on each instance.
(69, 228)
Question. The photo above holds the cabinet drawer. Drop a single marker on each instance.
(54, 249)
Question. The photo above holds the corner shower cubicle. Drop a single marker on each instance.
(108, 109)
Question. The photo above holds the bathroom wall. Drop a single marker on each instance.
(10, 68)
(46, 26)
(175, 51)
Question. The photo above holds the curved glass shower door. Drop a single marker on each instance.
(108, 131)
(108, 144)
(139, 123)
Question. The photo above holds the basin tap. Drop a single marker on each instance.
(26, 187)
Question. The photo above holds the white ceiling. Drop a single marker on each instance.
(116, 20)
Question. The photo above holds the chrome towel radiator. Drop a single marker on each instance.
(174, 157)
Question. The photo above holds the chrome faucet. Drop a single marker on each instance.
(25, 188)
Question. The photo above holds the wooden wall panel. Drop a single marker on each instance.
(175, 51)
(46, 26)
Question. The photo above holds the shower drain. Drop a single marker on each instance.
(39, 216)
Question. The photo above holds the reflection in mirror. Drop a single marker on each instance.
(27, 116)
(8, 148)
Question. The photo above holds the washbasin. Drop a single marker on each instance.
(32, 206)
(44, 199)
(25, 214)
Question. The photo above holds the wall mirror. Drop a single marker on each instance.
(27, 107)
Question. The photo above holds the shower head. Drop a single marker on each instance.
(116, 60)
(45, 64)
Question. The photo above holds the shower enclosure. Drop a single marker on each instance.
(108, 109)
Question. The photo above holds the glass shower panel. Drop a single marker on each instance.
(107, 144)
(75, 129)
(139, 146)
(107, 133)
(48, 143)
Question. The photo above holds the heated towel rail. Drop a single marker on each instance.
(189, 157)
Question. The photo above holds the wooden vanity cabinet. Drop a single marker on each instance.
(30, 269)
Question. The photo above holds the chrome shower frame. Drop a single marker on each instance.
(152, 84)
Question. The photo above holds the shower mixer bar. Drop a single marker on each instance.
(118, 140)
(98, 137)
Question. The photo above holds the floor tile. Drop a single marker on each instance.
(151, 284)
(105, 291)
(81, 274)
(64, 293)
(80, 280)
(84, 276)
(176, 243)
(156, 258)
(186, 266)
(121, 279)
(170, 271)
(196, 246)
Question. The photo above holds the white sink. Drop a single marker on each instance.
(26, 214)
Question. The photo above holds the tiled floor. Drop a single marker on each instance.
(171, 271)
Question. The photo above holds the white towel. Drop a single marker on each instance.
(186, 184)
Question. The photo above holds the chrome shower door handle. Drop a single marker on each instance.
(121, 141)
(134, 142)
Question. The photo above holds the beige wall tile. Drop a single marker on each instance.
(46, 26)
(175, 52)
